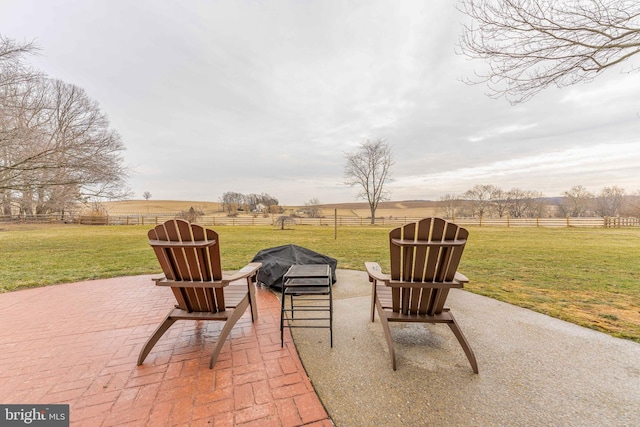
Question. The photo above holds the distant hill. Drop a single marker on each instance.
(383, 205)
(389, 209)
(159, 206)
(409, 208)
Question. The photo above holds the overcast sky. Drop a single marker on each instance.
(259, 96)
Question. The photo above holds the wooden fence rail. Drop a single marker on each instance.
(341, 221)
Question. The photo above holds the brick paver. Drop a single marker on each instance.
(78, 343)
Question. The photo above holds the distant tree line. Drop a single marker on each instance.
(56, 146)
(489, 201)
(233, 202)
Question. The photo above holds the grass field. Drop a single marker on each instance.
(586, 276)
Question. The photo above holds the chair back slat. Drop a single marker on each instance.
(427, 251)
(396, 263)
(181, 261)
(422, 233)
(407, 254)
(189, 258)
(395, 253)
(434, 251)
(437, 301)
(457, 233)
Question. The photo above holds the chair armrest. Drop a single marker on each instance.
(461, 278)
(375, 272)
(163, 281)
(434, 243)
(246, 271)
(172, 244)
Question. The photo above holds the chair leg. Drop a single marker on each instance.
(160, 330)
(387, 332)
(226, 329)
(252, 299)
(330, 315)
(374, 296)
(465, 345)
(282, 301)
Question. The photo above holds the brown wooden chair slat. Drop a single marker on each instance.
(424, 260)
(190, 259)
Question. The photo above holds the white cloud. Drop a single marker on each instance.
(259, 97)
(489, 133)
(551, 172)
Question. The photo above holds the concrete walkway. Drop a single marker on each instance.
(534, 370)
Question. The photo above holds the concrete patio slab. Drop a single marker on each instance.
(534, 370)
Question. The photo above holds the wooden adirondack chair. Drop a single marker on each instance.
(424, 259)
(190, 258)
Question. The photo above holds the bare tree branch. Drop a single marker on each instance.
(530, 45)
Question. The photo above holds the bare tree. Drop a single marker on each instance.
(530, 45)
(516, 203)
(232, 201)
(15, 83)
(481, 198)
(524, 203)
(268, 202)
(75, 149)
(191, 214)
(577, 202)
(252, 201)
(632, 205)
(450, 205)
(147, 197)
(272, 204)
(610, 201)
(13, 70)
(60, 138)
(368, 168)
(500, 201)
(535, 207)
(312, 208)
(284, 220)
(56, 147)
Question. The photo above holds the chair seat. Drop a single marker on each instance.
(384, 295)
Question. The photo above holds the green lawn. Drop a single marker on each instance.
(587, 276)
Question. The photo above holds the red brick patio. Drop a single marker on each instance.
(78, 344)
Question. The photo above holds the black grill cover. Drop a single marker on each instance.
(276, 261)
